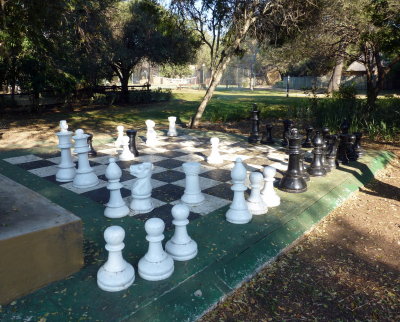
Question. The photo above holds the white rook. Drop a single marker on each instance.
(192, 195)
(238, 212)
(66, 169)
(85, 177)
(172, 127)
(156, 265)
(181, 247)
(116, 274)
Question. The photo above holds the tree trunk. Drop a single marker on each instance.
(125, 74)
(335, 80)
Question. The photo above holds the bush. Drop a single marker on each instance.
(346, 91)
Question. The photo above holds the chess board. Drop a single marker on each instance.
(168, 178)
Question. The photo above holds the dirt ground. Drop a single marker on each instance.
(347, 268)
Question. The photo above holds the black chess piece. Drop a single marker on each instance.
(292, 180)
(267, 135)
(342, 149)
(303, 169)
(132, 142)
(307, 142)
(325, 133)
(351, 153)
(345, 126)
(92, 152)
(331, 156)
(287, 126)
(255, 125)
(357, 145)
(316, 168)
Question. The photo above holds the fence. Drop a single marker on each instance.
(308, 82)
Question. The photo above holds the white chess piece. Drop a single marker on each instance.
(268, 193)
(255, 203)
(181, 247)
(156, 265)
(85, 176)
(215, 157)
(172, 127)
(141, 188)
(126, 154)
(66, 169)
(151, 134)
(116, 207)
(192, 195)
(238, 212)
(116, 274)
(118, 141)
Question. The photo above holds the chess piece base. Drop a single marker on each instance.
(256, 208)
(141, 206)
(156, 271)
(181, 252)
(193, 199)
(273, 201)
(293, 184)
(85, 180)
(65, 174)
(116, 212)
(236, 216)
(115, 281)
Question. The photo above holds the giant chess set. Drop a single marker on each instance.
(168, 180)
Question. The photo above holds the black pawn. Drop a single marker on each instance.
(287, 126)
(325, 133)
(292, 180)
(303, 169)
(307, 142)
(351, 153)
(316, 168)
(92, 152)
(267, 135)
(357, 145)
(342, 149)
(255, 125)
(331, 156)
(132, 142)
(345, 126)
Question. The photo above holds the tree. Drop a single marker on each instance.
(144, 30)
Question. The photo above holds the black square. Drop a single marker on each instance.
(124, 177)
(48, 155)
(222, 175)
(168, 163)
(53, 179)
(222, 190)
(169, 176)
(102, 195)
(171, 154)
(172, 146)
(164, 212)
(258, 161)
(168, 193)
(35, 164)
(126, 164)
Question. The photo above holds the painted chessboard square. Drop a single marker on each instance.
(102, 195)
(204, 183)
(222, 191)
(126, 164)
(169, 176)
(124, 177)
(210, 204)
(154, 183)
(164, 213)
(169, 163)
(191, 157)
(71, 187)
(168, 193)
(52, 178)
(172, 154)
(35, 164)
(222, 175)
(48, 155)
(45, 171)
(23, 159)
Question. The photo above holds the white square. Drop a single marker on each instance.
(203, 168)
(233, 157)
(210, 204)
(57, 160)
(205, 183)
(99, 169)
(23, 159)
(150, 158)
(102, 160)
(70, 187)
(45, 171)
(191, 158)
(154, 183)
(279, 166)
(111, 152)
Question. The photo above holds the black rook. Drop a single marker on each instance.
(255, 125)
(132, 142)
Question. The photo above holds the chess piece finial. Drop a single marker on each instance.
(255, 203)
(116, 274)
(181, 247)
(63, 126)
(156, 265)
(116, 207)
(238, 212)
(268, 193)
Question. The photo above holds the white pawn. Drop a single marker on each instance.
(238, 212)
(181, 247)
(85, 176)
(118, 141)
(126, 154)
(268, 193)
(192, 195)
(141, 188)
(66, 169)
(151, 134)
(255, 203)
(116, 274)
(156, 265)
(116, 207)
(172, 127)
(215, 157)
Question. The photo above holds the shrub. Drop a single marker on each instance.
(346, 91)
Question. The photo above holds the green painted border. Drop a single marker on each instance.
(228, 255)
